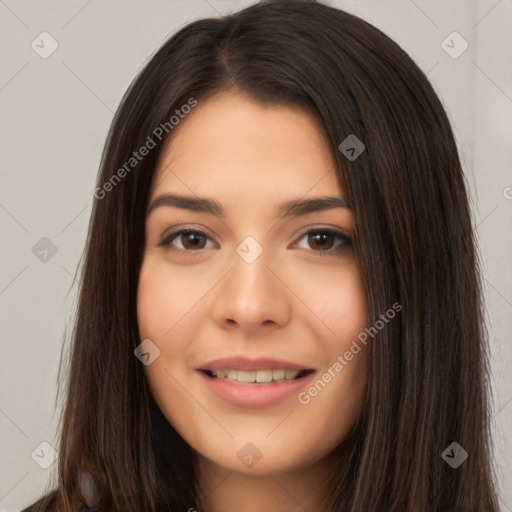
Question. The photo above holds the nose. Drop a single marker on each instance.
(252, 296)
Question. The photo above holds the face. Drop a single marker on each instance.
(255, 305)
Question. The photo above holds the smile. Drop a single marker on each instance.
(246, 392)
(259, 376)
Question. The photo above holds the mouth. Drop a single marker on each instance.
(270, 376)
(255, 389)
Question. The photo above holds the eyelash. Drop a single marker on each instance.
(346, 241)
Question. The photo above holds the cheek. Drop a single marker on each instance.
(337, 395)
(336, 297)
(153, 298)
(162, 305)
(347, 310)
(163, 298)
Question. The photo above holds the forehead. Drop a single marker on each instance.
(231, 142)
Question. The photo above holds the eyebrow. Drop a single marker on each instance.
(293, 208)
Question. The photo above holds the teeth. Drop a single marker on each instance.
(264, 376)
(278, 374)
(259, 376)
(246, 376)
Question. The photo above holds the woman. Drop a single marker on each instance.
(280, 300)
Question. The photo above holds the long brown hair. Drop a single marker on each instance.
(428, 374)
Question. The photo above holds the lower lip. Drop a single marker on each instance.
(255, 396)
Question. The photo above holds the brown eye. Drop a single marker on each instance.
(323, 241)
(191, 240)
(320, 240)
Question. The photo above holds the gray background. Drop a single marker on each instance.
(55, 116)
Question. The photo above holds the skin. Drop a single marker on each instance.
(292, 303)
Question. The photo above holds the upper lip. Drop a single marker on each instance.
(244, 363)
